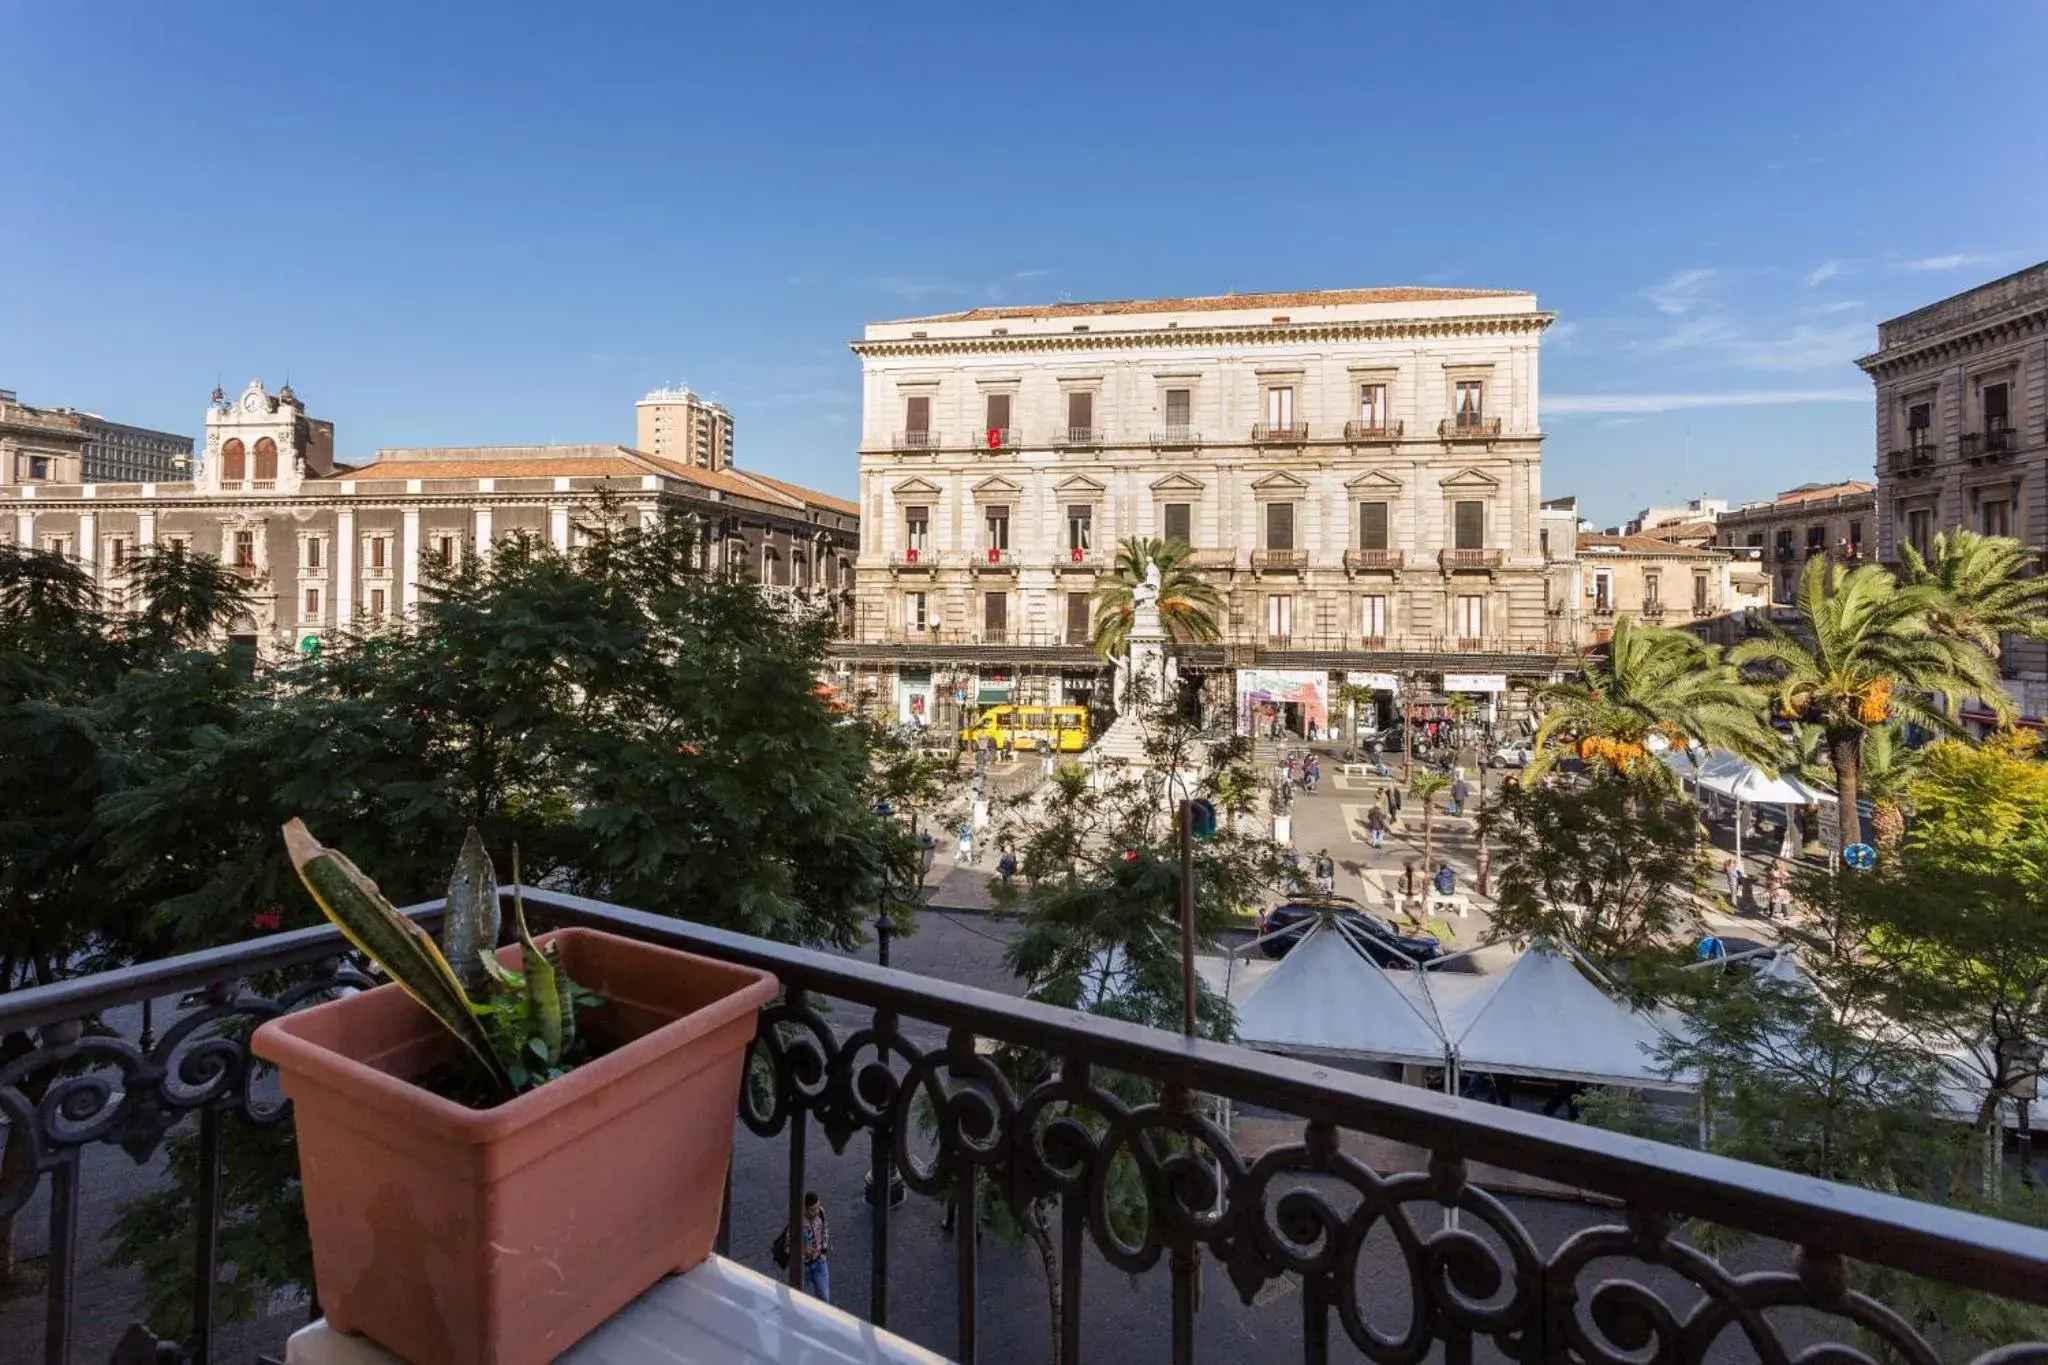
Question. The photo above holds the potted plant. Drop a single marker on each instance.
(503, 1148)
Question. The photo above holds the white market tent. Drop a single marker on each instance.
(1743, 782)
(1543, 1016)
(1325, 997)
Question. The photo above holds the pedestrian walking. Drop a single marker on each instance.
(1006, 866)
(1375, 828)
(1326, 872)
(1732, 870)
(1394, 802)
(966, 852)
(817, 1249)
(1781, 893)
(1459, 791)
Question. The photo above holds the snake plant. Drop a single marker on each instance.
(516, 1028)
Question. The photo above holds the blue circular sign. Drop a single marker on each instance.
(1862, 857)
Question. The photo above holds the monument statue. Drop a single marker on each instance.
(1145, 601)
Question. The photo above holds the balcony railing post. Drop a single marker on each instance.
(206, 1231)
(60, 1290)
(797, 1171)
(881, 1179)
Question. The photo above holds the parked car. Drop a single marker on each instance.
(1383, 943)
(1513, 753)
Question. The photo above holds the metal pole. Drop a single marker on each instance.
(1187, 917)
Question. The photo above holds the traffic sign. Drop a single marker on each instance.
(1862, 857)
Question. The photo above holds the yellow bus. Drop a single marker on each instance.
(1062, 729)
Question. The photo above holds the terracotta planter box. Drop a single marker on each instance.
(456, 1236)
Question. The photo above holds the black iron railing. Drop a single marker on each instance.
(853, 1051)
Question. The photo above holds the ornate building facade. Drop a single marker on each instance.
(326, 544)
(1962, 434)
(1357, 471)
(64, 445)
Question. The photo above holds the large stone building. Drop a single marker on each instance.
(1357, 471)
(326, 544)
(64, 445)
(676, 424)
(1962, 433)
(1834, 519)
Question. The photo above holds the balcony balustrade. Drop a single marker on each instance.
(894, 1069)
(1989, 443)
(1265, 434)
(993, 560)
(1914, 459)
(1177, 436)
(917, 557)
(1279, 561)
(1213, 559)
(1372, 431)
(1468, 429)
(1454, 561)
(1384, 561)
(1000, 438)
(1076, 559)
(916, 440)
(1070, 437)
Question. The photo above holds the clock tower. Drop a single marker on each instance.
(262, 441)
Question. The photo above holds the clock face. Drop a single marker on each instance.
(251, 403)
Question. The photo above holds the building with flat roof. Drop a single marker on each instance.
(1833, 519)
(676, 424)
(1356, 470)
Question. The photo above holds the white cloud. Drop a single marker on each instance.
(1573, 404)
(1803, 348)
(1955, 260)
(1708, 329)
(1838, 306)
(1032, 274)
(1681, 293)
(1826, 270)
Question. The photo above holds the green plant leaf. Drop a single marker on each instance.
(470, 932)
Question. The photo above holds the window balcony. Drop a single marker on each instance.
(1073, 560)
(917, 559)
(1070, 438)
(993, 560)
(915, 440)
(1177, 436)
(1266, 434)
(845, 1069)
(1914, 460)
(1000, 438)
(1653, 611)
(1279, 561)
(1468, 428)
(1213, 560)
(1372, 432)
(1374, 561)
(1990, 444)
(1468, 561)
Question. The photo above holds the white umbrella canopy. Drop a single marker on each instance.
(1740, 780)
(1545, 1017)
(1325, 997)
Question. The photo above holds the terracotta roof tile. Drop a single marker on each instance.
(1642, 544)
(574, 467)
(1215, 303)
(1847, 488)
(825, 500)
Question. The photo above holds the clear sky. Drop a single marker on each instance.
(503, 223)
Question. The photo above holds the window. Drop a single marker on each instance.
(445, 549)
(914, 617)
(1856, 535)
(1280, 409)
(1699, 592)
(1279, 616)
(1372, 407)
(1468, 526)
(1996, 413)
(1469, 402)
(1754, 540)
(316, 550)
(1603, 591)
(376, 601)
(917, 418)
(1784, 543)
(57, 545)
(1816, 537)
(998, 417)
(1080, 528)
(1372, 617)
(245, 549)
(1471, 619)
(117, 553)
(312, 610)
(1279, 525)
(1077, 618)
(1179, 411)
(39, 466)
(380, 552)
(234, 461)
(995, 616)
(179, 544)
(1919, 418)
(995, 523)
(1372, 526)
(266, 460)
(917, 528)
(1994, 517)
(1080, 416)
(1652, 590)
(1177, 522)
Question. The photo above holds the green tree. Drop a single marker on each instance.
(1984, 587)
(1608, 866)
(1653, 684)
(1190, 608)
(1354, 697)
(1426, 786)
(1863, 652)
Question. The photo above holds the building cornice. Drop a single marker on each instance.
(1966, 340)
(1255, 334)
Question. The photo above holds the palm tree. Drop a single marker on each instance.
(1353, 696)
(1428, 785)
(1865, 652)
(1190, 608)
(1654, 683)
(1983, 587)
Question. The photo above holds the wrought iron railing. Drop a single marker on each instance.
(1372, 431)
(1468, 428)
(853, 1051)
(1285, 561)
(1449, 560)
(1357, 560)
(1264, 432)
(1176, 434)
(917, 440)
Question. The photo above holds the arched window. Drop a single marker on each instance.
(266, 460)
(234, 461)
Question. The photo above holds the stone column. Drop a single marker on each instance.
(558, 527)
(409, 560)
(145, 529)
(88, 543)
(344, 566)
(483, 533)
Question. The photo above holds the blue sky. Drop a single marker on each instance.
(503, 223)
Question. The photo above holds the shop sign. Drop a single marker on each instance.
(1475, 682)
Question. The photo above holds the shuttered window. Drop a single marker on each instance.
(1372, 526)
(1469, 529)
(917, 413)
(1177, 523)
(1178, 408)
(1279, 525)
(999, 412)
(1077, 618)
(1080, 415)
